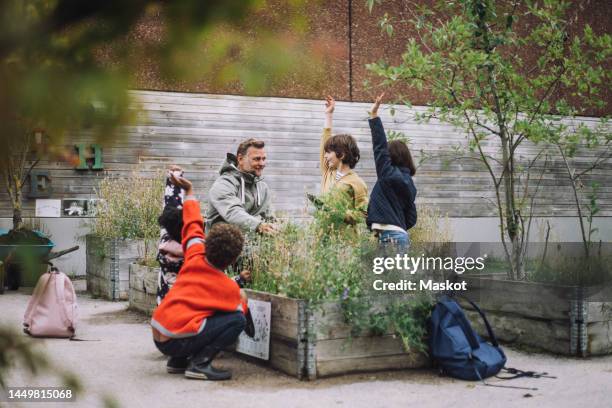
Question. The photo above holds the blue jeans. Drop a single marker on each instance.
(221, 330)
(394, 239)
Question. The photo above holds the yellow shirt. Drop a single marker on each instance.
(350, 182)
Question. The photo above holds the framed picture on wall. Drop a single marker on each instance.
(74, 207)
(92, 207)
(48, 208)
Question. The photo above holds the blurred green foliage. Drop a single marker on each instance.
(67, 65)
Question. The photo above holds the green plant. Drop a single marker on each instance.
(569, 140)
(88, 57)
(150, 258)
(432, 226)
(469, 57)
(317, 260)
(567, 265)
(326, 259)
(405, 316)
(15, 169)
(395, 135)
(129, 208)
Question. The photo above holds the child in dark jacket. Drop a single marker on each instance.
(391, 210)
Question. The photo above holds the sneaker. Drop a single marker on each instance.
(177, 365)
(205, 371)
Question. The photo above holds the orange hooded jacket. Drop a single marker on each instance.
(200, 289)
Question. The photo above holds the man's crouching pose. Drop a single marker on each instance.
(204, 311)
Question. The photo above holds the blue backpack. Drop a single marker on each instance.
(457, 349)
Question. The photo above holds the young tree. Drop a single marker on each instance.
(469, 56)
(16, 168)
(569, 139)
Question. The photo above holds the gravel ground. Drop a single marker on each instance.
(121, 361)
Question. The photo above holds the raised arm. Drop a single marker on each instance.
(330, 104)
(193, 225)
(379, 142)
(173, 194)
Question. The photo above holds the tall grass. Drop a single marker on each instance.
(318, 260)
(129, 207)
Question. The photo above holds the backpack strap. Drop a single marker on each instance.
(486, 322)
(60, 288)
(39, 289)
(463, 322)
(501, 386)
(516, 373)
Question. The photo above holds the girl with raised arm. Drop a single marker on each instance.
(392, 211)
(338, 156)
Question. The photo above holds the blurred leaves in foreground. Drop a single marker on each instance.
(66, 65)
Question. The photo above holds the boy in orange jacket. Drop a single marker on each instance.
(205, 309)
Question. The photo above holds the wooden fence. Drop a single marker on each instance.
(196, 130)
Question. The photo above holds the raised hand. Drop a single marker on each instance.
(330, 104)
(182, 182)
(176, 170)
(376, 105)
(246, 275)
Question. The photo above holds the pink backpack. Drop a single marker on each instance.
(52, 311)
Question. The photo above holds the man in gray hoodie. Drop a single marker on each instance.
(239, 196)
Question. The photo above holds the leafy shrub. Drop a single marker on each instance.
(128, 208)
(330, 259)
(569, 270)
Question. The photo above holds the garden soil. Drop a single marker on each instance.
(119, 361)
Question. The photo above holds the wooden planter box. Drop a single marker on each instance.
(311, 342)
(107, 266)
(143, 288)
(550, 317)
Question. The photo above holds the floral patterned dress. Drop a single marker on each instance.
(170, 252)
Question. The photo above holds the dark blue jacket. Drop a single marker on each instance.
(392, 198)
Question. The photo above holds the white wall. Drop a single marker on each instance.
(65, 233)
(563, 229)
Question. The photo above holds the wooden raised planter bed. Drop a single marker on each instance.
(107, 266)
(143, 288)
(310, 342)
(550, 317)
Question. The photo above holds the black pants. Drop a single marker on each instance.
(220, 330)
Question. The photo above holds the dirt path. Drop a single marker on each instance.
(121, 360)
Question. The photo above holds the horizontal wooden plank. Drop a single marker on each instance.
(357, 347)
(284, 356)
(529, 299)
(196, 130)
(600, 338)
(284, 313)
(549, 335)
(371, 363)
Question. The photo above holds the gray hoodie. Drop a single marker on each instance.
(238, 198)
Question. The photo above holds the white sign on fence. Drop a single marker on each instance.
(48, 208)
(259, 345)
